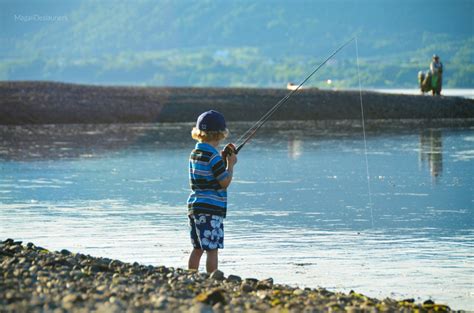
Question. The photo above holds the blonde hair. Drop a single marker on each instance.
(207, 136)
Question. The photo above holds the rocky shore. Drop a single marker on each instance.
(34, 279)
(37, 102)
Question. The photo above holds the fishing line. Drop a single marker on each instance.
(242, 140)
(252, 130)
(365, 139)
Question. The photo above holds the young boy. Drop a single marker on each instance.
(209, 179)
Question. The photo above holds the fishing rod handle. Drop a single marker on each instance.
(229, 149)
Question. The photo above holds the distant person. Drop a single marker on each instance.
(436, 69)
(209, 178)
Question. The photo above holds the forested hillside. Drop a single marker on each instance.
(263, 43)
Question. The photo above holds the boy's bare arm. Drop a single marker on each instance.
(231, 160)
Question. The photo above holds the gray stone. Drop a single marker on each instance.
(101, 288)
(96, 268)
(217, 275)
(212, 297)
(33, 269)
(204, 275)
(265, 284)
(108, 307)
(234, 278)
(201, 308)
(160, 302)
(251, 280)
(65, 252)
(171, 275)
(245, 287)
(263, 294)
(72, 297)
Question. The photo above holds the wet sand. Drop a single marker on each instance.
(60, 103)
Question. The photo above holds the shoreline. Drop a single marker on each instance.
(38, 280)
(467, 93)
(42, 102)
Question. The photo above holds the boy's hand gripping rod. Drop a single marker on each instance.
(231, 148)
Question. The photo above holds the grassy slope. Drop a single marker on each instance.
(260, 44)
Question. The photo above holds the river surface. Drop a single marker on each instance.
(308, 206)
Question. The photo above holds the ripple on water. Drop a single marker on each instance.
(120, 192)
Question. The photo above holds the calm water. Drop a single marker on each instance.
(299, 207)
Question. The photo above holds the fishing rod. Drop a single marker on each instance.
(250, 133)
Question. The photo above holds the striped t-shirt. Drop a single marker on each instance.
(206, 169)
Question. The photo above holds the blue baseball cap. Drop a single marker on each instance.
(211, 121)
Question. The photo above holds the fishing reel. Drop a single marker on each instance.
(229, 149)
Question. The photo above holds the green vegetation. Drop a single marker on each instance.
(237, 43)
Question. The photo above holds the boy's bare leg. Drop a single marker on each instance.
(194, 258)
(211, 262)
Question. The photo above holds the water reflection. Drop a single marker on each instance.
(56, 142)
(120, 191)
(295, 147)
(52, 142)
(431, 151)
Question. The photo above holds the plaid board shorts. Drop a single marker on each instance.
(207, 231)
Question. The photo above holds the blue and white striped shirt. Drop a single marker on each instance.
(206, 169)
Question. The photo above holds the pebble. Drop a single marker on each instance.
(160, 302)
(212, 297)
(234, 278)
(217, 275)
(245, 287)
(251, 281)
(265, 284)
(71, 298)
(65, 252)
(36, 280)
(202, 308)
